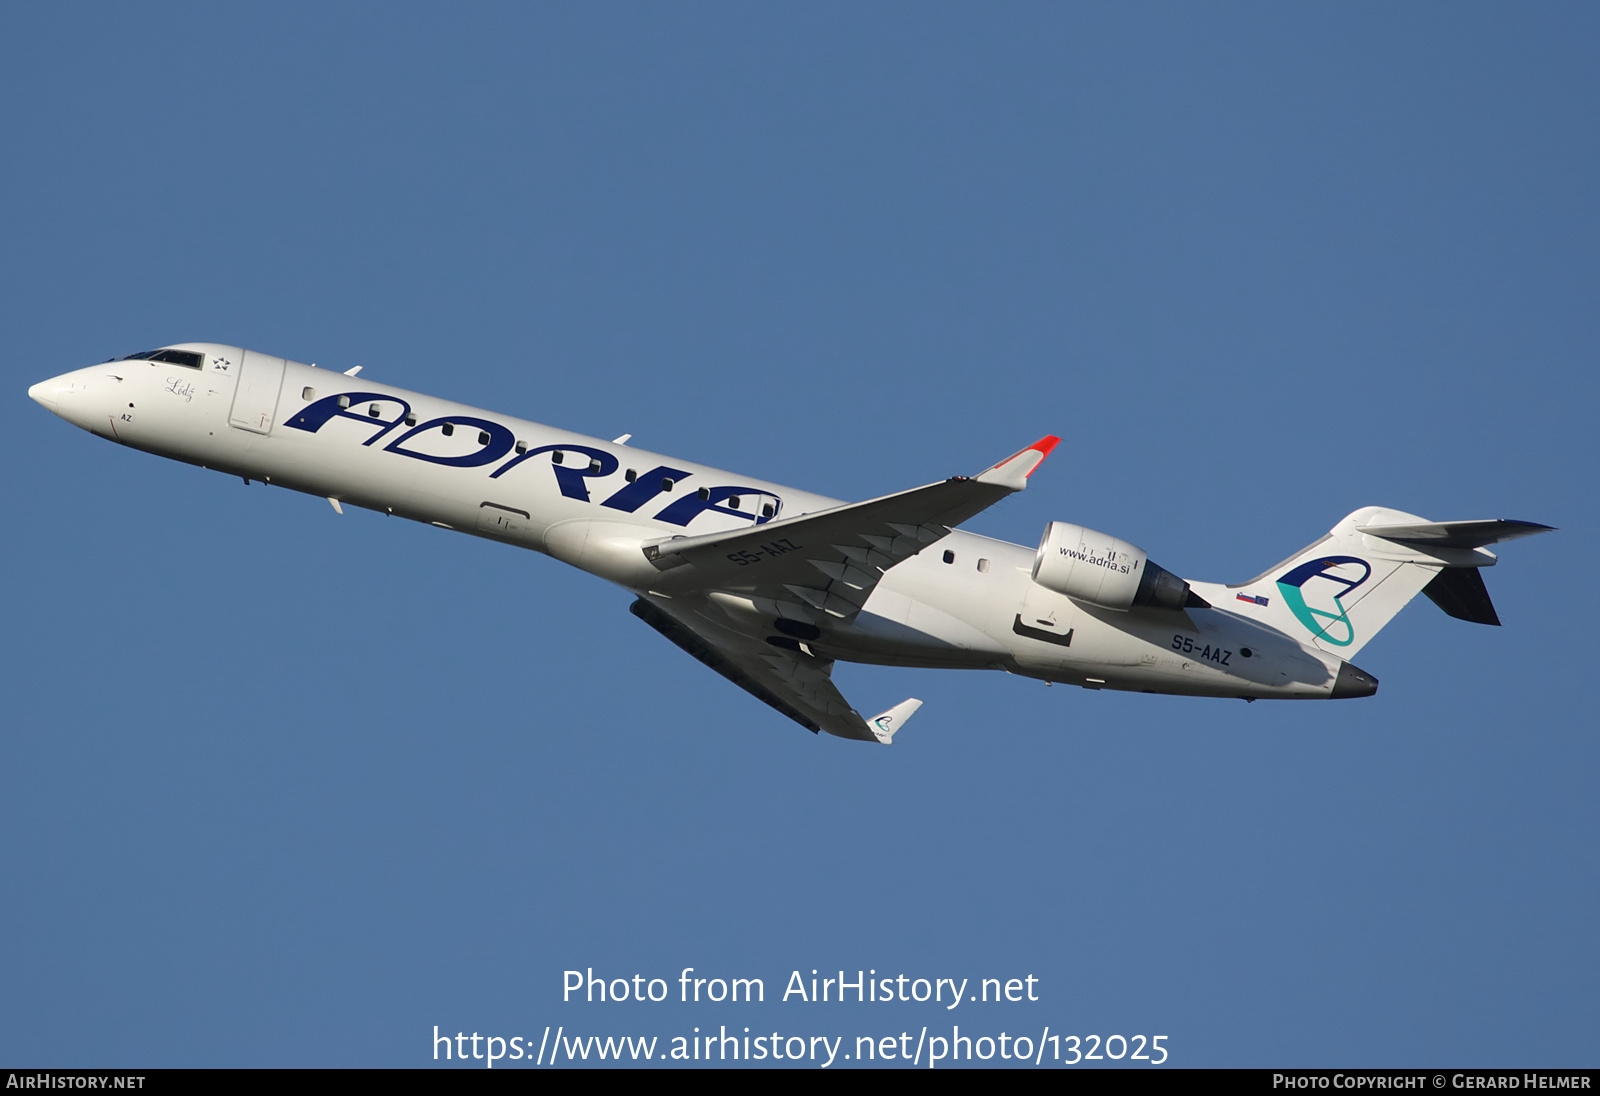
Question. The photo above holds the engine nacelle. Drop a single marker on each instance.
(1101, 570)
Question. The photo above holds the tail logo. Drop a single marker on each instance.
(1330, 622)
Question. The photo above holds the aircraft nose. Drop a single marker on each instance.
(68, 396)
(44, 393)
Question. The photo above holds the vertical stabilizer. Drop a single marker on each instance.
(1340, 591)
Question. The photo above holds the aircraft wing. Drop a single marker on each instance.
(793, 681)
(830, 561)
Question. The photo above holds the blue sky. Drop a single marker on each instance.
(285, 788)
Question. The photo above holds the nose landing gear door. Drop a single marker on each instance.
(255, 400)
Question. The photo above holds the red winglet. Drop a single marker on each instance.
(1017, 478)
(1044, 445)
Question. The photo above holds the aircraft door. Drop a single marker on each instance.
(1044, 627)
(255, 399)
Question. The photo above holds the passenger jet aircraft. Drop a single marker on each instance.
(768, 585)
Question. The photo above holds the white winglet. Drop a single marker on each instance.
(622, 440)
(352, 371)
(1013, 472)
(883, 726)
(335, 503)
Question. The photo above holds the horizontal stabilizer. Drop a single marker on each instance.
(1455, 534)
(884, 726)
(1460, 592)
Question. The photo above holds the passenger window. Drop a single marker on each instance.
(411, 418)
(344, 403)
(522, 447)
(594, 465)
(372, 411)
(557, 457)
(447, 429)
(983, 565)
(768, 510)
(733, 503)
(483, 437)
(666, 484)
(308, 394)
(704, 494)
(949, 557)
(630, 475)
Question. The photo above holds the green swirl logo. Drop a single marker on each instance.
(1316, 597)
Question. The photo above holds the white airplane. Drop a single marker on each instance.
(768, 585)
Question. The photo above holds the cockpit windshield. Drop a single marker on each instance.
(186, 358)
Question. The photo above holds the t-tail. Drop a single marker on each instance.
(1338, 592)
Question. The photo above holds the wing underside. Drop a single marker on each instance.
(788, 679)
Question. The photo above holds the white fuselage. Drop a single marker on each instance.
(967, 601)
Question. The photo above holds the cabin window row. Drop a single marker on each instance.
(983, 564)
